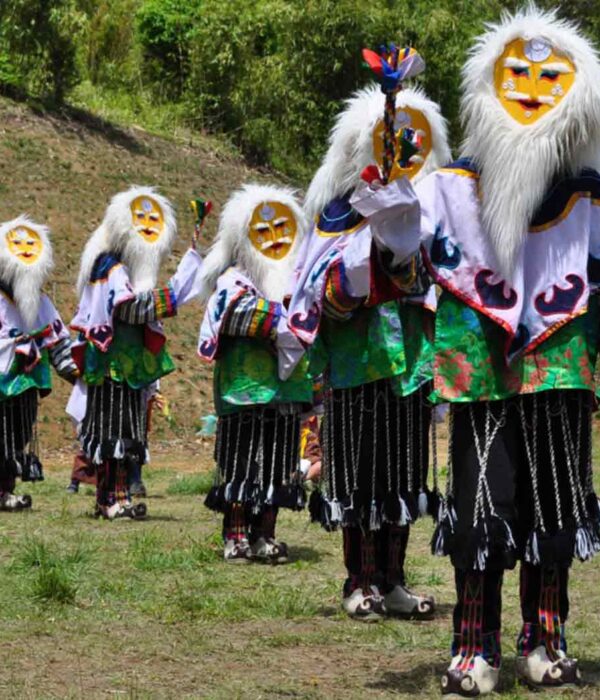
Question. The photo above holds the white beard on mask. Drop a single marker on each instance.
(117, 234)
(518, 163)
(232, 244)
(25, 281)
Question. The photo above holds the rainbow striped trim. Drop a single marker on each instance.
(264, 318)
(165, 302)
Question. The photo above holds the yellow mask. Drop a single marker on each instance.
(272, 230)
(531, 78)
(414, 121)
(148, 218)
(25, 244)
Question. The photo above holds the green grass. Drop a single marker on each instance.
(191, 485)
(51, 571)
(149, 610)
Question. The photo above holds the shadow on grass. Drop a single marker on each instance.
(444, 611)
(307, 554)
(69, 114)
(411, 681)
(590, 671)
(328, 611)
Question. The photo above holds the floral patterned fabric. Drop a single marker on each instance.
(126, 360)
(382, 342)
(417, 329)
(470, 356)
(16, 381)
(246, 375)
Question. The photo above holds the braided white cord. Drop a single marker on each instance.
(354, 466)
(420, 440)
(344, 440)
(398, 421)
(360, 432)
(374, 471)
(483, 489)
(571, 458)
(260, 455)
(450, 477)
(409, 456)
(434, 453)
(331, 434)
(553, 465)
(590, 473)
(387, 436)
(533, 461)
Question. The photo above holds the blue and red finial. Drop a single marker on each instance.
(391, 66)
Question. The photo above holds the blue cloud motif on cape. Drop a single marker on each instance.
(492, 295)
(562, 301)
(440, 256)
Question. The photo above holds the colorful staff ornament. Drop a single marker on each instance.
(201, 209)
(392, 65)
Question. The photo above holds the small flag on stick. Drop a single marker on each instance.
(201, 209)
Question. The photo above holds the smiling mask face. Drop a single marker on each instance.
(531, 78)
(272, 229)
(148, 218)
(25, 244)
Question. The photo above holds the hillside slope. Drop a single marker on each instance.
(63, 172)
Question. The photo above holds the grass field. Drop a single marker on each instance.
(92, 609)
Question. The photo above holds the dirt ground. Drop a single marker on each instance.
(149, 609)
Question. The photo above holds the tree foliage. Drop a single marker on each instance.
(41, 43)
(271, 74)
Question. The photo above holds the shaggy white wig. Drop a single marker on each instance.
(117, 234)
(25, 280)
(232, 245)
(519, 161)
(351, 143)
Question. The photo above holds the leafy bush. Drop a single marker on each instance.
(108, 50)
(271, 74)
(42, 38)
(163, 28)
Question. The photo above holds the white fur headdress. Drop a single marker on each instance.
(232, 245)
(518, 162)
(25, 280)
(351, 143)
(116, 234)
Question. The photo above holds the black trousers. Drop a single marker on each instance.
(535, 486)
(257, 452)
(376, 456)
(520, 489)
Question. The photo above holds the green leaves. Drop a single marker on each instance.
(43, 39)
